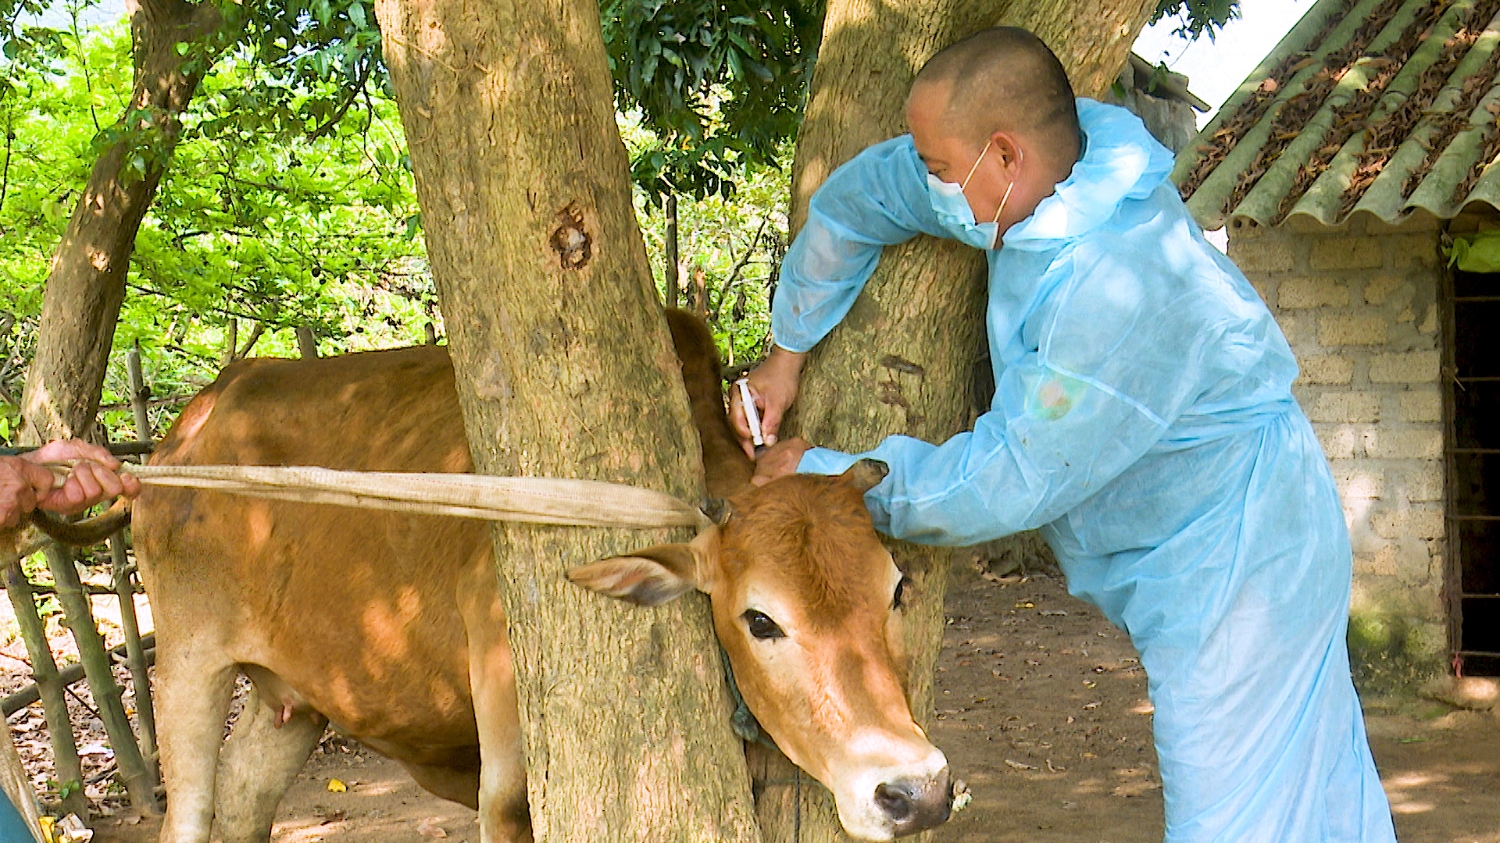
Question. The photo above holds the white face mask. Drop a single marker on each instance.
(955, 215)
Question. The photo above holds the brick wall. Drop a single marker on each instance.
(1358, 304)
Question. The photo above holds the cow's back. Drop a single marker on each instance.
(352, 612)
(380, 410)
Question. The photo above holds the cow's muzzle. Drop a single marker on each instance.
(914, 805)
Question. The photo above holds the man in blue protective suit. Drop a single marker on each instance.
(1142, 418)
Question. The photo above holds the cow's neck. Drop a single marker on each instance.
(726, 469)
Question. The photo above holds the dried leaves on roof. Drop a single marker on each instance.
(1383, 137)
(1229, 131)
(1365, 100)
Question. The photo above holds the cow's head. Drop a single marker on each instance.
(808, 605)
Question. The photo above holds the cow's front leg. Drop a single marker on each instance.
(503, 814)
(265, 752)
(193, 689)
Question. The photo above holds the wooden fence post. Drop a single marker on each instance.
(255, 331)
(101, 678)
(231, 341)
(135, 658)
(673, 270)
(17, 785)
(140, 676)
(139, 394)
(50, 688)
(307, 342)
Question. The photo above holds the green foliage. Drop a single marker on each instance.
(311, 59)
(253, 223)
(25, 45)
(66, 789)
(290, 202)
(1196, 18)
(47, 115)
(718, 86)
(733, 245)
(260, 223)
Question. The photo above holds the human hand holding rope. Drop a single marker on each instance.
(31, 481)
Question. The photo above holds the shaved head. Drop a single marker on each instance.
(1004, 79)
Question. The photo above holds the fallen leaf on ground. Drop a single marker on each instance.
(336, 786)
(430, 828)
(1018, 765)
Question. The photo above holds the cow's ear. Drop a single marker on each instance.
(865, 474)
(648, 577)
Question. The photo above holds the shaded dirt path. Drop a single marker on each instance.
(1042, 709)
(1022, 686)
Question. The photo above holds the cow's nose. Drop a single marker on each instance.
(897, 800)
(915, 805)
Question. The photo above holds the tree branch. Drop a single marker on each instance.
(255, 331)
(10, 139)
(364, 77)
(739, 266)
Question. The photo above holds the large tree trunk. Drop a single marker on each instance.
(174, 46)
(565, 370)
(86, 284)
(903, 359)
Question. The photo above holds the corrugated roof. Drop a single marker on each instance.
(1380, 106)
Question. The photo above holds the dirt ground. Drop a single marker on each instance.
(1043, 710)
(1041, 707)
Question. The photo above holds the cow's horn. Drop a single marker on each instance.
(866, 474)
(718, 511)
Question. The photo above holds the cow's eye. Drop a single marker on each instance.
(898, 600)
(761, 625)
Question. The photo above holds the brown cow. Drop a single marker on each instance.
(391, 626)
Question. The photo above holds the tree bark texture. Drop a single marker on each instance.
(565, 369)
(86, 284)
(903, 360)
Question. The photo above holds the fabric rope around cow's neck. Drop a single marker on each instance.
(531, 500)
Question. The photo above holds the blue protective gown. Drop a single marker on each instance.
(1143, 419)
(12, 825)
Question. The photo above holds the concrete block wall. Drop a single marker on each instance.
(1359, 305)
